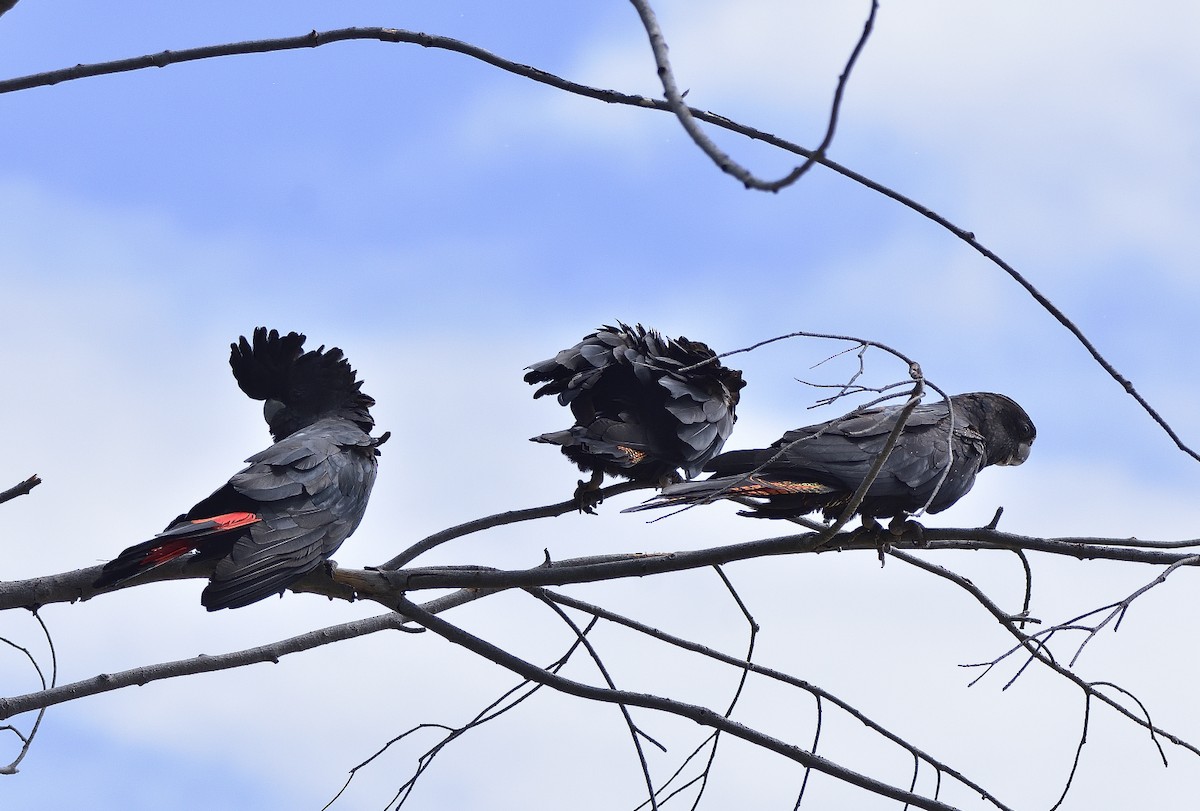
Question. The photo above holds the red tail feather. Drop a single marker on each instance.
(174, 542)
(230, 521)
(164, 553)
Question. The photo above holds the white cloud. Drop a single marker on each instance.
(120, 398)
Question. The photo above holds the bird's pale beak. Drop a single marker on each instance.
(1018, 456)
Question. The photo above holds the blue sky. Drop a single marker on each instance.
(448, 224)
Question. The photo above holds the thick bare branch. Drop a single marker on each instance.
(385, 586)
(24, 487)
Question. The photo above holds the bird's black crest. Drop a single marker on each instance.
(295, 503)
(299, 387)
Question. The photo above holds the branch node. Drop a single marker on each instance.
(995, 519)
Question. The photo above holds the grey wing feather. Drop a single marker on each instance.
(313, 487)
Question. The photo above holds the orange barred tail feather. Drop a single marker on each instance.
(752, 485)
(172, 543)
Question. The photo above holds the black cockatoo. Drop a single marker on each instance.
(296, 503)
(819, 467)
(637, 413)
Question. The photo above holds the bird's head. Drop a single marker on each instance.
(1008, 430)
(298, 388)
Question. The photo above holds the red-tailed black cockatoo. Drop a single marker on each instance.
(819, 467)
(638, 413)
(299, 499)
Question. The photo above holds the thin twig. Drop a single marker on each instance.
(819, 724)
(634, 730)
(315, 39)
(492, 711)
(1087, 717)
(1037, 651)
(818, 693)
(27, 740)
(502, 519)
(699, 714)
(687, 120)
(714, 739)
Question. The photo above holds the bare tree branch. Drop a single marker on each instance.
(27, 740)
(316, 39)
(502, 519)
(140, 676)
(776, 675)
(1038, 652)
(634, 731)
(392, 581)
(24, 487)
(506, 702)
(392, 621)
(658, 45)
(385, 586)
(701, 715)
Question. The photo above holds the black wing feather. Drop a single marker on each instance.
(311, 490)
(298, 500)
(637, 414)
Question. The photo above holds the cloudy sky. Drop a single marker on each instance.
(447, 224)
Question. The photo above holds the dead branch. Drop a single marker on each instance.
(139, 676)
(635, 732)
(687, 120)
(1038, 652)
(701, 715)
(27, 739)
(316, 39)
(385, 586)
(821, 695)
(24, 487)
(502, 519)
(506, 702)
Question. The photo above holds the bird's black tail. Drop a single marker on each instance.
(175, 542)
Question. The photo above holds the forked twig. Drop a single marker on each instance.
(27, 739)
(1039, 652)
(699, 714)
(687, 120)
(316, 39)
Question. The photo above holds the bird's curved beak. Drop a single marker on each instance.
(1018, 456)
